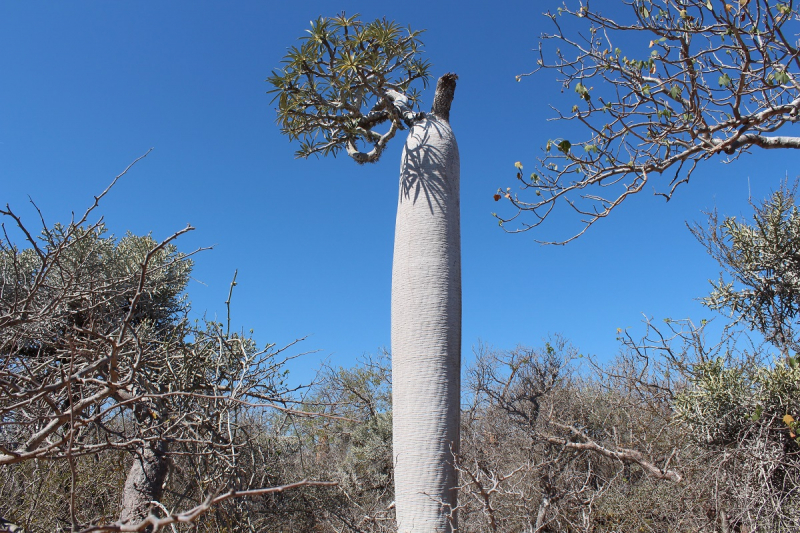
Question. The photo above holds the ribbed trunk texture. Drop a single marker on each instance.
(426, 327)
(144, 483)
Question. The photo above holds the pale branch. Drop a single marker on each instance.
(189, 516)
(761, 141)
(373, 155)
(624, 455)
(714, 82)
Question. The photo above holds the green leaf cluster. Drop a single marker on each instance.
(332, 88)
(91, 262)
(762, 262)
(728, 404)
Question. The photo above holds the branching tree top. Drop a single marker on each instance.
(346, 79)
(712, 78)
(762, 261)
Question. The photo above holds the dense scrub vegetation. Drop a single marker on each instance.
(679, 432)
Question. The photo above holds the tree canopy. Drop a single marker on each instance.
(346, 78)
(762, 261)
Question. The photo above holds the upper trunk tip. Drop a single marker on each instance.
(443, 98)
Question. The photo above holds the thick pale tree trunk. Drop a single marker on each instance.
(144, 483)
(426, 322)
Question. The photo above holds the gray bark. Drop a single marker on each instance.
(144, 483)
(8, 527)
(753, 139)
(541, 514)
(426, 324)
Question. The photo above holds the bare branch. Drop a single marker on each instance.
(715, 81)
(621, 454)
(188, 517)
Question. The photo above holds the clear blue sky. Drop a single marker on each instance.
(89, 86)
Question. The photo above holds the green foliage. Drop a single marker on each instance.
(582, 91)
(351, 443)
(362, 443)
(719, 403)
(732, 404)
(333, 88)
(101, 271)
(367, 465)
(762, 261)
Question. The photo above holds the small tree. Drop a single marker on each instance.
(352, 445)
(97, 356)
(679, 83)
(346, 79)
(762, 263)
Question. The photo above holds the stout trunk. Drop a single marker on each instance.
(144, 483)
(426, 323)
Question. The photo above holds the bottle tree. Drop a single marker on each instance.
(349, 86)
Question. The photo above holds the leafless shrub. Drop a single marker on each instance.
(107, 389)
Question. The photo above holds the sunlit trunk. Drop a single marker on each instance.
(426, 323)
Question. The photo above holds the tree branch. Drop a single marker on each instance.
(621, 454)
(188, 517)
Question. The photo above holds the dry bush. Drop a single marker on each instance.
(113, 404)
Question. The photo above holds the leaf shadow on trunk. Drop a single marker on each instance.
(422, 165)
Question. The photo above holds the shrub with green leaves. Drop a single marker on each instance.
(745, 419)
(762, 263)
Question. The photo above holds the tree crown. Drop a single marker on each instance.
(762, 261)
(346, 78)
